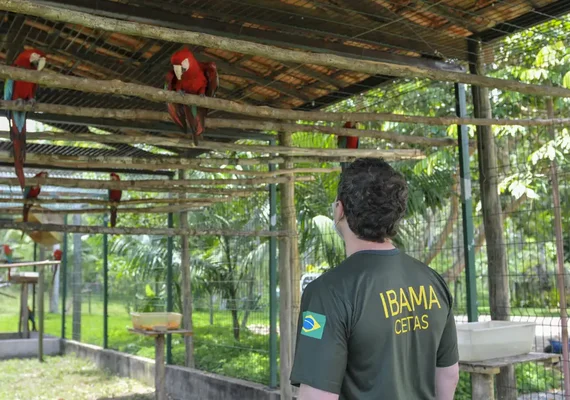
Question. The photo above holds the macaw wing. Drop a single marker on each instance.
(176, 111)
(27, 190)
(211, 73)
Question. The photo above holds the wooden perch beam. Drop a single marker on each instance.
(31, 227)
(125, 210)
(184, 142)
(150, 185)
(117, 87)
(261, 125)
(140, 115)
(161, 163)
(122, 203)
(271, 52)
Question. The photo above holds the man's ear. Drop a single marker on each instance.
(340, 207)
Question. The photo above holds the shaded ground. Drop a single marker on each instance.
(65, 378)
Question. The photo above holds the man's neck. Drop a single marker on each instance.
(355, 245)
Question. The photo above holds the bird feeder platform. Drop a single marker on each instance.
(47, 239)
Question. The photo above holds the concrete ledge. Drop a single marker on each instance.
(181, 383)
(13, 346)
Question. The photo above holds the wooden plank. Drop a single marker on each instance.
(506, 361)
(31, 227)
(30, 264)
(156, 333)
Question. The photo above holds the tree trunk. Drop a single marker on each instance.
(234, 311)
(499, 296)
(76, 281)
(54, 287)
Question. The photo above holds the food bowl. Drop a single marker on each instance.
(156, 321)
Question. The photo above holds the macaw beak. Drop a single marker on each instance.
(177, 71)
(41, 63)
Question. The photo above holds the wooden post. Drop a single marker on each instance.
(285, 349)
(186, 284)
(499, 296)
(482, 387)
(559, 258)
(290, 225)
(159, 368)
(41, 297)
(23, 326)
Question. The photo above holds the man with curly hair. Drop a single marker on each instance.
(380, 325)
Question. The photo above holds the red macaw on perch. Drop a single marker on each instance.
(348, 142)
(114, 196)
(57, 255)
(8, 256)
(31, 193)
(22, 92)
(192, 77)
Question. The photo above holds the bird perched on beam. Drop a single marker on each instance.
(115, 197)
(348, 142)
(22, 92)
(31, 193)
(192, 77)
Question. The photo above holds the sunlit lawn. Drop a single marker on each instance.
(215, 348)
(65, 378)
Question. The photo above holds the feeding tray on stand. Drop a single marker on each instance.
(46, 239)
(156, 321)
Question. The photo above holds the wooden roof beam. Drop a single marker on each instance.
(183, 22)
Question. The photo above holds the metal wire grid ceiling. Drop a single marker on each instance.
(99, 54)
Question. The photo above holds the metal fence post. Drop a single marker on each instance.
(466, 205)
(272, 281)
(105, 286)
(169, 279)
(34, 286)
(64, 279)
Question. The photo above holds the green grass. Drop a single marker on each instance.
(215, 348)
(65, 378)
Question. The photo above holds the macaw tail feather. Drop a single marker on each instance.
(195, 120)
(26, 213)
(19, 150)
(113, 216)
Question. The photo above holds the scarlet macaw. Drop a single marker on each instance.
(348, 142)
(192, 77)
(57, 255)
(8, 256)
(30, 193)
(22, 92)
(114, 196)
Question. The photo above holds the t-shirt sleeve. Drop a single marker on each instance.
(322, 335)
(447, 352)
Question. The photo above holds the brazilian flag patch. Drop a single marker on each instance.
(313, 324)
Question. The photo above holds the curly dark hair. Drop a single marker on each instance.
(374, 196)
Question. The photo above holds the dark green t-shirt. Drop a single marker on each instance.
(375, 327)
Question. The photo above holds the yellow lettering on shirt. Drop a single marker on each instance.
(433, 298)
(393, 300)
(408, 307)
(384, 305)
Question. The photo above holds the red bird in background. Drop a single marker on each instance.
(57, 254)
(115, 197)
(348, 142)
(192, 77)
(22, 92)
(30, 193)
